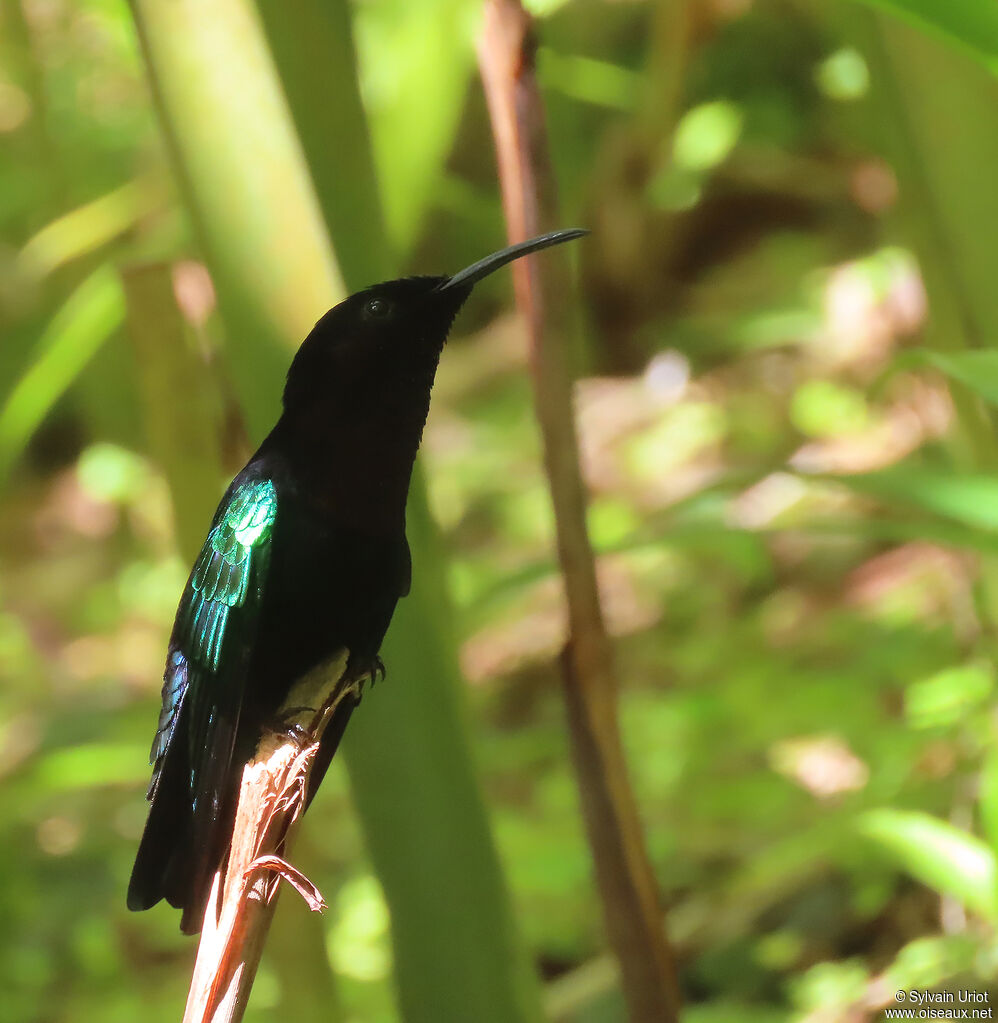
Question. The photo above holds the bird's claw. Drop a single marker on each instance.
(367, 670)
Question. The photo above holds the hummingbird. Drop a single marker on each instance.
(306, 558)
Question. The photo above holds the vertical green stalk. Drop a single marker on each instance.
(457, 953)
(312, 45)
(246, 178)
(245, 182)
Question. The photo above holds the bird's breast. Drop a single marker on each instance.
(328, 586)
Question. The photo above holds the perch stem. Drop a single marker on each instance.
(634, 920)
(272, 798)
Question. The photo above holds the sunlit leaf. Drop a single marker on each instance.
(946, 697)
(86, 320)
(413, 97)
(611, 522)
(830, 986)
(844, 75)
(939, 855)
(706, 135)
(968, 498)
(823, 408)
(927, 962)
(88, 227)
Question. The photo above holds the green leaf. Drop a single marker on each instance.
(939, 855)
(88, 227)
(968, 498)
(90, 315)
(971, 23)
(977, 370)
(947, 534)
(928, 962)
(831, 986)
(947, 696)
(413, 97)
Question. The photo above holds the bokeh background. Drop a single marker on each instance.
(786, 348)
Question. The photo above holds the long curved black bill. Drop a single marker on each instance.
(474, 273)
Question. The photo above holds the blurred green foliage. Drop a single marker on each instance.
(786, 408)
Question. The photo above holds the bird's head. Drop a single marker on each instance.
(385, 341)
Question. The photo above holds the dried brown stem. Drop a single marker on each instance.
(627, 886)
(271, 801)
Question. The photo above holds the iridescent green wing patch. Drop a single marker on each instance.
(216, 618)
(221, 578)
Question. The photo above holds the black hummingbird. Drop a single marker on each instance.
(306, 557)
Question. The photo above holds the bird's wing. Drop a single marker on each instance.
(203, 688)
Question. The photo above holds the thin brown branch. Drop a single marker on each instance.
(626, 882)
(271, 801)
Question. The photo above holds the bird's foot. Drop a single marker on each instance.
(284, 723)
(358, 671)
(364, 669)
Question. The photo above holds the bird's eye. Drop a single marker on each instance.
(377, 308)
